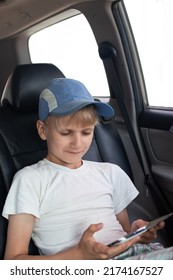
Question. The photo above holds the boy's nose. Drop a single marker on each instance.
(76, 140)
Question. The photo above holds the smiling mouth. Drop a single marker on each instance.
(74, 152)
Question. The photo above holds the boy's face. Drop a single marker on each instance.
(67, 144)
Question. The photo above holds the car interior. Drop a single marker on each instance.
(137, 138)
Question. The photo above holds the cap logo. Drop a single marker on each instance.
(49, 97)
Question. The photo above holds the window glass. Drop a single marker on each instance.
(152, 25)
(71, 46)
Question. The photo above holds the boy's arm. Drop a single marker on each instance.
(123, 219)
(19, 234)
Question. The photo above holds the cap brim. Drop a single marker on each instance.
(102, 109)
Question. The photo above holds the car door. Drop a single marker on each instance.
(147, 29)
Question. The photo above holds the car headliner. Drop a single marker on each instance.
(18, 15)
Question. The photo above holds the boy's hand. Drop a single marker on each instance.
(90, 249)
(149, 235)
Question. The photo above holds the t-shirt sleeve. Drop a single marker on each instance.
(24, 194)
(124, 190)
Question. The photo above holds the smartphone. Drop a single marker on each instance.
(140, 230)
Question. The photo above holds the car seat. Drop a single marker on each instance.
(20, 144)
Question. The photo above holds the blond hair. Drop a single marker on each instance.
(85, 116)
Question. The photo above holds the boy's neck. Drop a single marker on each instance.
(55, 160)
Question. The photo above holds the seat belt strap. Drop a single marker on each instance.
(108, 55)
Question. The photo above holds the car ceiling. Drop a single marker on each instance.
(18, 15)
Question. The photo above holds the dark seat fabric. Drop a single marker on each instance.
(20, 144)
(25, 84)
(18, 116)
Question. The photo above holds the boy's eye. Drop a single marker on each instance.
(68, 132)
(65, 132)
(86, 132)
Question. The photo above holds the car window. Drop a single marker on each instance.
(71, 46)
(152, 25)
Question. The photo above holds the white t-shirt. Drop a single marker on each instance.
(66, 201)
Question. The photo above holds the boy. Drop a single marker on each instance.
(70, 207)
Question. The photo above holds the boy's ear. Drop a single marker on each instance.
(41, 130)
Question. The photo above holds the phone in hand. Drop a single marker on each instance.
(140, 230)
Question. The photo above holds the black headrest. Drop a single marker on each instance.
(25, 84)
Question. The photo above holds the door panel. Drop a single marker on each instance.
(159, 146)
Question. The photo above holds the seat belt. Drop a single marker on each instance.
(108, 55)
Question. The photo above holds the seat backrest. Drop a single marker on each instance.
(19, 141)
(20, 144)
(18, 116)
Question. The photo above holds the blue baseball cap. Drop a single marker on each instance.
(64, 96)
